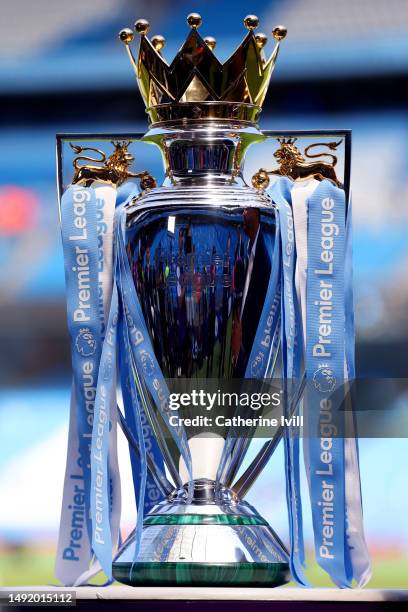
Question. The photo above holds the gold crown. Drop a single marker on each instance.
(196, 84)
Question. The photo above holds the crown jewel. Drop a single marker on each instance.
(196, 76)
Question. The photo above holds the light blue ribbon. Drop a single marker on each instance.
(105, 395)
(325, 355)
(80, 245)
(291, 345)
(131, 400)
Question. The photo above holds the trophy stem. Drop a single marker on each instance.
(248, 478)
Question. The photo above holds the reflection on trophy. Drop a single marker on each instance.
(257, 269)
(200, 250)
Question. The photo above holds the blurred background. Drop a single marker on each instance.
(62, 69)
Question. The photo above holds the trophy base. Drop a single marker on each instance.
(213, 539)
(202, 574)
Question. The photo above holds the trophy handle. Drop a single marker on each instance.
(296, 166)
(162, 483)
(112, 169)
(293, 164)
(248, 478)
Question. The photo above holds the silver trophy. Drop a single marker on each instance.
(200, 249)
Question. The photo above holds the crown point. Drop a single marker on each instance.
(251, 22)
(142, 26)
(126, 36)
(279, 32)
(194, 20)
(210, 42)
(158, 42)
(261, 39)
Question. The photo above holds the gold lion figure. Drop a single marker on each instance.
(113, 170)
(293, 164)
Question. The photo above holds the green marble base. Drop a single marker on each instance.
(202, 574)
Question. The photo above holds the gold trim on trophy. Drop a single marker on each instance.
(112, 169)
(292, 163)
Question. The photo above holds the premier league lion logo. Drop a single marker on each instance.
(324, 379)
(108, 368)
(85, 342)
(256, 365)
(147, 363)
